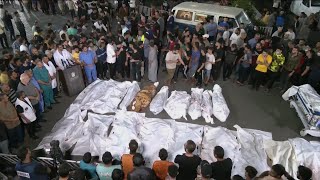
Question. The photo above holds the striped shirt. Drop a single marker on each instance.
(12, 96)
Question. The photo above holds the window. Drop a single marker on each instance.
(200, 17)
(231, 23)
(315, 3)
(184, 15)
(306, 2)
(243, 18)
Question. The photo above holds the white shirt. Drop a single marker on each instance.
(62, 58)
(100, 26)
(210, 59)
(225, 37)
(52, 72)
(70, 4)
(172, 57)
(124, 30)
(234, 37)
(111, 54)
(1, 13)
(27, 110)
(24, 48)
(292, 35)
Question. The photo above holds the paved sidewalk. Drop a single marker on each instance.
(29, 18)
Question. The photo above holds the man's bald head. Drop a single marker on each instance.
(24, 78)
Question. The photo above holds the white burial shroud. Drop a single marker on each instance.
(194, 109)
(89, 132)
(158, 102)
(177, 104)
(220, 107)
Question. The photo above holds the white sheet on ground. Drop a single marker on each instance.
(307, 154)
(105, 96)
(93, 137)
(220, 107)
(184, 132)
(158, 102)
(125, 128)
(156, 130)
(194, 109)
(282, 152)
(206, 106)
(177, 104)
(131, 94)
(251, 153)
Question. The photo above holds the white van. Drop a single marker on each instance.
(189, 14)
(306, 6)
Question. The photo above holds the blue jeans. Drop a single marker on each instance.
(15, 136)
(91, 73)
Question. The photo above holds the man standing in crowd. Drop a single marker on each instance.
(41, 74)
(88, 59)
(102, 58)
(27, 168)
(172, 58)
(52, 73)
(126, 159)
(288, 68)
(221, 169)
(20, 26)
(26, 113)
(104, 170)
(88, 166)
(263, 62)
(160, 167)
(62, 57)
(140, 171)
(135, 63)
(188, 162)
(9, 116)
(11, 93)
(111, 58)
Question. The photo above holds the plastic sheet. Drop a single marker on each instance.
(220, 108)
(206, 106)
(94, 134)
(105, 97)
(251, 152)
(125, 128)
(194, 109)
(158, 102)
(182, 133)
(227, 140)
(177, 104)
(132, 92)
(156, 130)
(282, 152)
(307, 154)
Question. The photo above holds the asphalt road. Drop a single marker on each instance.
(249, 109)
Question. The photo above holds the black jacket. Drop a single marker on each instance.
(142, 173)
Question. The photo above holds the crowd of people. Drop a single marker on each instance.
(127, 45)
(187, 166)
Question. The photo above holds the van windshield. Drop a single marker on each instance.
(315, 3)
(243, 18)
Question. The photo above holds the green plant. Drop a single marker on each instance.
(244, 4)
